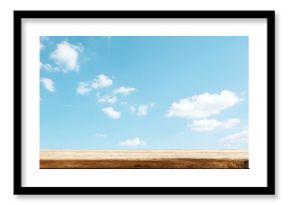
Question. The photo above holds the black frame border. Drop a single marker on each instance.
(268, 190)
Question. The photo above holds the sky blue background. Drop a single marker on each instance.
(163, 70)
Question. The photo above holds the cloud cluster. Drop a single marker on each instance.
(236, 140)
(202, 106)
(133, 142)
(205, 125)
(111, 113)
(66, 56)
(198, 108)
(48, 84)
(102, 81)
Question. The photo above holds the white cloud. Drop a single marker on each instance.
(66, 56)
(132, 108)
(42, 39)
(41, 46)
(133, 142)
(205, 125)
(110, 112)
(142, 110)
(231, 123)
(48, 67)
(48, 84)
(101, 81)
(236, 140)
(124, 90)
(83, 88)
(107, 99)
(202, 106)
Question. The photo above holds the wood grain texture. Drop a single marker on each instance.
(145, 159)
(145, 164)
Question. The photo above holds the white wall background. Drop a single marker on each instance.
(282, 98)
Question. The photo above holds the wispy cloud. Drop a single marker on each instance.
(48, 84)
(102, 81)
(142, 110)
(108, 99)
(206, 125)
(132, 109)
(48, 67)
(83, 88)
(110, 112)
(202, 106)
(133, 142)
(66, 56)
(236, 140)
(42, 42)
(124, 90)
(41, 46)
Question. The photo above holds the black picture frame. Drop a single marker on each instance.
(268, 190)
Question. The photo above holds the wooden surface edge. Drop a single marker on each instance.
(174, 163)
